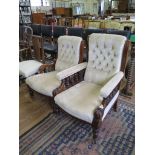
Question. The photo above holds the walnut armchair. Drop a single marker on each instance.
(70, 53)
(89, 90)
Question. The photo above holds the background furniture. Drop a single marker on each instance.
(92, 89)
(30, 67)
(38, 18)
(25, 13)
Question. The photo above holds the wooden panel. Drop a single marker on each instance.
(67, 12)
(60, 11)
(38, 18)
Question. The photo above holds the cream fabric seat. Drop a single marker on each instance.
(68, 56)
(81, 100)
(102, 76)
(29, 67)
(44, 83)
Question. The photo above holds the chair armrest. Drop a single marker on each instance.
(43, 68)
(70, 71)
(111, 84)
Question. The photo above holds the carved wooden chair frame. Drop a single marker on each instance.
(72, 80)
(51, 67)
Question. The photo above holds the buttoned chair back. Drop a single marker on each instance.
(105, 56)
(68, 52)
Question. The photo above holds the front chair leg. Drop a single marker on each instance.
(97, 122)
(55, 108)
(115, 106)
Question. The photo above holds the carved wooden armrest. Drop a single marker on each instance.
(46, 68)
(24, 49)
(110, 89)
(70, 81)
(71, 71)
(111, 84)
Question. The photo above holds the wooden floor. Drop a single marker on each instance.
(31, 110)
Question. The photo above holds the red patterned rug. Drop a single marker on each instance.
(61, 134)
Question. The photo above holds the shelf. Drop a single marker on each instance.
(25, 5)
(25, 13)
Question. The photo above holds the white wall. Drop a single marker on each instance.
(90, 6)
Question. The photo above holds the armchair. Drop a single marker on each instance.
(89, 90)
(70, 53)
(30, 67)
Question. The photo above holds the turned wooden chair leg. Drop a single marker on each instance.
(97, 122)
(95, 134)
(55, 108)
(115, 106)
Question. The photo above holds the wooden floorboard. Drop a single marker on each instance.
(31, 110)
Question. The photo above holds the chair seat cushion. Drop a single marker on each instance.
(29, 67)
(80, 100)
(43, 83)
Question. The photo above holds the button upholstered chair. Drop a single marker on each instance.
(91, 89)
(30, 67)
(70, 53)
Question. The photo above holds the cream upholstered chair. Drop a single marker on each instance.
(129, 24)
(111, 24)
(70, 53)
(97, 82)
(30, 67)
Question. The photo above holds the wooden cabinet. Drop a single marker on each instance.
(66, 12)
(38, 18)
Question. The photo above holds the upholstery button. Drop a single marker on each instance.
(107, 64)
(115, 54)
(112, 60)
(108, 53)
(113, 47)
(104, 58)
(113, 67)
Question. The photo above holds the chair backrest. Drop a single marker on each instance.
(119, 32)
(69, 52)
(36, 29)
(75, 31)
(130, 26)
(27, 34)
(46, 30)
(94, 24)
(105, 57)
(38, 52)
(59, 31)
(88, 32)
